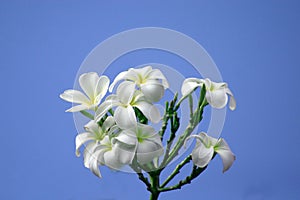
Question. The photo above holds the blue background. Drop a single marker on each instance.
(255, 45)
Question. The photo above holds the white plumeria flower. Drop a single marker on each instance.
(150, 81)
(125, 99)
(110, 153)
(216, 93)
(141, 141)
(94, 87)
(93, 136)
(205, 148)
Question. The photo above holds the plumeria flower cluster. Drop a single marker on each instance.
(115, 139)
(120, 130)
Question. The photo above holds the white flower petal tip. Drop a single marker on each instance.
(232, 102)
(223, 149)
(94, 87)
(150, 81)
(94, 164)
(189, 85)
(205, 148)
(230, 163)
(216, 93)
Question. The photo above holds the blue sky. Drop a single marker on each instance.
(255, 45)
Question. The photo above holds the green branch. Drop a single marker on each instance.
(154, 177)
(165, 121)
(175, 123)
(87, 114)
(177, 170)
(195, 173)
(194, 121)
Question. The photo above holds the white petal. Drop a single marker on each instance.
(217, 98)
(157, 139)
(232, 102)
(112, 97)
(103, 108)
(207, 140)
(157, 74)
(124, 153)
(149, 149)
(92, 127)
(187, 139)
(202, 155)
(81, 139)
(146, 153)
(88, 82)
(109, 122)
(111, 160)
(74, 96)
(88, 152)
(93, 165)
(94, 168)
(119, 77)
(125, 92)
(77, 108)
(207, 83)
(106, 141)
(130, 75)
(153, 91)
(210, 85)
(143, 72)
(203, 138)
(125, 117)
(149, 110)
(190, 84)
(101, 88)
(127, 137)
(145, 131)
(225, 153)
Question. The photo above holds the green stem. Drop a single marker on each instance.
(191, 105)
(195, 173)
(154, 196)
(165, 121)
(179, 102)
(154, 177)
(87, 114)
(194, 121)
(177, 170)
(174, 127)
(179, 144)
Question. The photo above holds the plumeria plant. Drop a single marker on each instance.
(120, 131)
